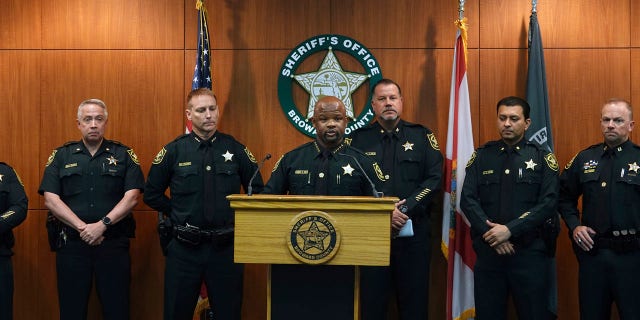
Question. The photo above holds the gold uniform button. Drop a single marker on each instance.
(208, 168)
(321, 174)
(507, 171)
(604, 184)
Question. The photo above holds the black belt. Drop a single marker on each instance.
(195, 236)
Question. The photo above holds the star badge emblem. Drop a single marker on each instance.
(530, 164)
(408, 146)
(112, 161)
(634, 167)
(347, 170)
(330, 80)
(228, 156)
(1, 175)
(313, 237)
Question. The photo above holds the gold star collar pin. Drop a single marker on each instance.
(228, 156)
(112, 161)
(530, 164)
(408, 146)
(634, 167)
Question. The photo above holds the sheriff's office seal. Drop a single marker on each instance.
(328, 80)
(314, 237)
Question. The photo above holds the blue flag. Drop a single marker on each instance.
(537, 96)
(202, 72)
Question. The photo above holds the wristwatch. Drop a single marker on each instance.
(106, 221)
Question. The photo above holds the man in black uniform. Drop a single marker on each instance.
(91, 186)
(510, 190)
(326, 166)
(410, 156)
(201, 168)
(606, 240)
(13, 210)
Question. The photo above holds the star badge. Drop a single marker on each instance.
(228, 156)
(347, 170)
(408, 146)
(112, 161)
(530, 164)
(313, 237)
(634, 167)
(1, 175)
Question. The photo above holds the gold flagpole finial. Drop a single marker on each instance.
(534, 6)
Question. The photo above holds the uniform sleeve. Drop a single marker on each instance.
(546, 204)
(16, 211)
(158, 181)
(278, 182)
(133, 178)
(373, 171)
(50, 178)
(433, 178)
(470, 198)
(570, 191)
(248, 166)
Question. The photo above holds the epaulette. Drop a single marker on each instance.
(411, 124)
(118, 143)
(182, 136)
(595, 146)
(70, 143)
(489, 144)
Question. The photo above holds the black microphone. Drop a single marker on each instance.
(376, 194)
(250, 188)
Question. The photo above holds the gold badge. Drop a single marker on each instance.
(551, 161)
(160, 156)
(432, 140)
(249, 154)
(51, 157)
(347, 141)
(112, 161)
(133, 156)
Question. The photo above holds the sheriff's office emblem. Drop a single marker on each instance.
(160, 156)
(133, 156)
(313, 238)
(327, 80)
(250, 155)
(472, 159)
(550, 158)
(433, 141)
(51, 157)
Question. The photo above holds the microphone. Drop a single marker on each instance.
(376, 194)
(250, 188)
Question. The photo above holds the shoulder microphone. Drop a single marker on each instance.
(376, 194)
(250, 188)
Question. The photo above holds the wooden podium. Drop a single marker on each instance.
(312, 230)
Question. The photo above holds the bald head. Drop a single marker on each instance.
(330, 120)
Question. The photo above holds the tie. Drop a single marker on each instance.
(388, 153)
(323, 174)
(209, 195)
(603, 218)
(507, 177)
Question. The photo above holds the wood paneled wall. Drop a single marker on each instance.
(138, 55)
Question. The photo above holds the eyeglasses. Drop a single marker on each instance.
(98, 120)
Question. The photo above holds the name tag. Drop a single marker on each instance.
(70, 165)
(487, 172)
(184, 164)
(301, 172)
(370, 153)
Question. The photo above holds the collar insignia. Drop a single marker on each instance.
(228, 156)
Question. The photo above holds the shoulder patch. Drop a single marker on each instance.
(277, 164)
(472, 159)
(51, 157)
(552, 163)
(347, 141)
(570, 162)
(133, 156)
(18, 176)
(378, 171)
(250, 155)
(433, 141)
(160, 156)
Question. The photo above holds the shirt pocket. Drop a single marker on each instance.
(185, 180)
(71, 181)
(631, 188)
(113, 178)
(228, 178)
(528, 187)
(489, 188)
(301, 183)
(411, 167)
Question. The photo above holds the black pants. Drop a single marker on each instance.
(524, 276)
(407, 277)
(607, 277)
(77, 264)
(6, 288)
(187, 266)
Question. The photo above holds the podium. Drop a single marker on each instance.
(317, 233)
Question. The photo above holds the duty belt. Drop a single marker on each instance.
(619, 241)
(194, 235)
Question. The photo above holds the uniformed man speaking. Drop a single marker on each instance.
(606, 237)
(200, 169)
(510, 190)
(91, 186)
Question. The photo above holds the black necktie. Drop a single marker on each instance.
(388, 153)
(603, 216)
(209, 194)
(506, 188)
(323, 174)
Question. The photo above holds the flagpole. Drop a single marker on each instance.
(534, 6)
(461, 9)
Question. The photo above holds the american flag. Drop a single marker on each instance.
(202, 70)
